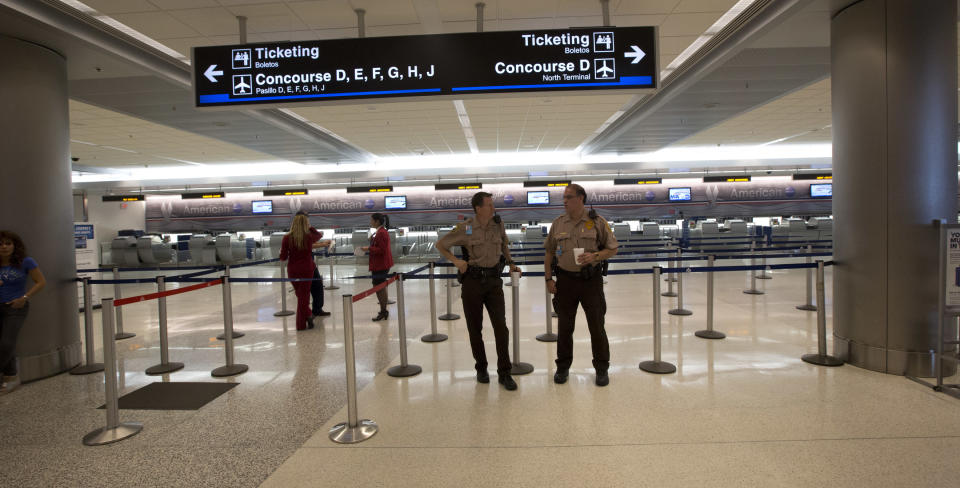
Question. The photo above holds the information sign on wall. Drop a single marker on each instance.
(952, 233)
(601, 58)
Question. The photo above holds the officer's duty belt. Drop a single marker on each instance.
(585, 273)
(480, 273)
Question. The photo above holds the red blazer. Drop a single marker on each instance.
(380, 256)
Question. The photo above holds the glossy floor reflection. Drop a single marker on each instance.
(743, 411)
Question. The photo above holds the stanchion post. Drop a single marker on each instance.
(92, 366)
(449, 315)
(114, 430)
(753, 274)
(679, 310)
(670, 278)
(332, 285)
(230, 369)
(235, 333)
(283, 293)
(119, 310)
(165, 365)
(353, 430)
(549, 336)
(404, 369)
(657, 366)
(763, 262)
(433, 336)
(808, 305)
(821, 358)
(518, 366)
(709, 333)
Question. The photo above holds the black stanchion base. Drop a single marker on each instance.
(551, 337)
(754, 292)
(123, 335)
(679, 311)
(231, 370)
(658, 367)
(449, 316)
(822, 360)
(807, 307)
(434, 338)
(164, 368)
(87, 369)
(331, 287)
(709, 334)
(236, 335)
(107, 435)
(521, 368)
(283, 313)
(669, 294)
(404, 371)
(764, 277)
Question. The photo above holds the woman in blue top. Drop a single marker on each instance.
(15, 266)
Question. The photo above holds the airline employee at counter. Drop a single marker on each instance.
(584, 240)
(485, 244)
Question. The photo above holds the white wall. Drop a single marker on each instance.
(110, 217)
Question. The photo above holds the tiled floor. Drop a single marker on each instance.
(744, 411)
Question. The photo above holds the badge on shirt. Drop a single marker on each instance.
(469, 230)
(589, 224)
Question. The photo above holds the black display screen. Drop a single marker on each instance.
(601, 58)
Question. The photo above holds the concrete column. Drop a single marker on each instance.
(894, 84)
(37, 199)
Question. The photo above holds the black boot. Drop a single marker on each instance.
(381, 316)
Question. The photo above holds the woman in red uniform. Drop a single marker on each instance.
(297, 250)
(381, 259)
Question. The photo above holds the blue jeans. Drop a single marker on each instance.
(11, 320)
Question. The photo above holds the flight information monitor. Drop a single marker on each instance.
(261, 206)
(821, 190)
(598, 58)
(538, 198)
(395, 203)
(679, 194)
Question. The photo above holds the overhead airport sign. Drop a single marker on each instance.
(726, 179)
(601, 58)
(637, 181)
(458, 186)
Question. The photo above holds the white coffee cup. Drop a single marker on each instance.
(577, 252)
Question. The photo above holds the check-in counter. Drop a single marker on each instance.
(533, 233)
(358, 239)
(621, 231)
(650, 230)
(152, 250)
(123, 251)
(203, 250)
(230, 249)
(276, 242)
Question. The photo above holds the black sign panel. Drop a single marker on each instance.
(285, 193)
(637, 181)
(458, 186)
(369, 189)
(813, 176)
(445, 64)
(726, 179)
(123, 198)
(553, 183)
(209, 194)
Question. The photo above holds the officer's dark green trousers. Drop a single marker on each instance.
(476, 294)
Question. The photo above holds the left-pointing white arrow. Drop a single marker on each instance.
(637, 54)
(212, 72)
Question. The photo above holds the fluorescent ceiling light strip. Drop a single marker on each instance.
(467, 128)
(711, 31)
(119, 149)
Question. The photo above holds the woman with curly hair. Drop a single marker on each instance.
(15, 266)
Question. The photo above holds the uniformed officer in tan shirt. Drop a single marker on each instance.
(579, 281)
(485, 240)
